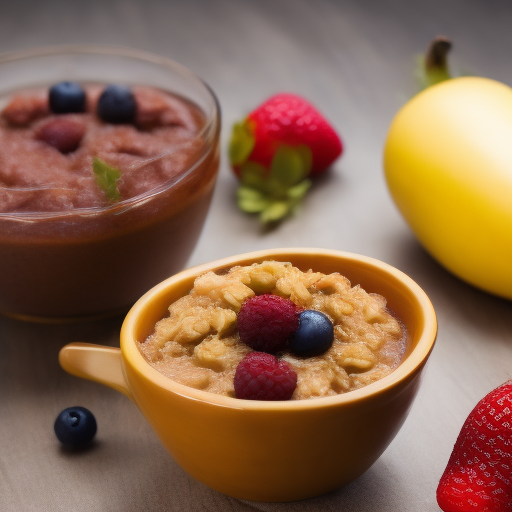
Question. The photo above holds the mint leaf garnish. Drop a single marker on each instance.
(106, 178)
(241, 143)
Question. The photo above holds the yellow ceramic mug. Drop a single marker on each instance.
(269, 451)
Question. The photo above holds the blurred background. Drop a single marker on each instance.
(354, 60)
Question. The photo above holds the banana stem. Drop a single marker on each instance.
(436, 56)
(436, 61)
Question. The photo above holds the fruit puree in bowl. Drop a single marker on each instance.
(95, 209)
(228, 317)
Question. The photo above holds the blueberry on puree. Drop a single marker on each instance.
(116, 105)
(66, 98)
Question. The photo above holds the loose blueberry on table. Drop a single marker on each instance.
(270, 324)
(75, 427)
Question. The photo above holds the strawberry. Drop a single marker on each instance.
(275, 148)
(477, 477)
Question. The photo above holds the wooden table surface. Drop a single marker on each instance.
(355, 61)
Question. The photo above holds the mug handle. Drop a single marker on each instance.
(97, 363)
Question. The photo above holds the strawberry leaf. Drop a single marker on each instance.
(251, 200)
(290, 165)
(253, 175)
(267, 194)
(275, 212)
(107, 177)
(275, 193)
(275, 188)
(297, 192)
(241, 143)
(307, 157)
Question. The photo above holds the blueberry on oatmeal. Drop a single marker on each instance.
(314, 335)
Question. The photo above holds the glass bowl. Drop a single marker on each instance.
(96, 261)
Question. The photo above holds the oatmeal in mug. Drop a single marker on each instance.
(319, 334)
